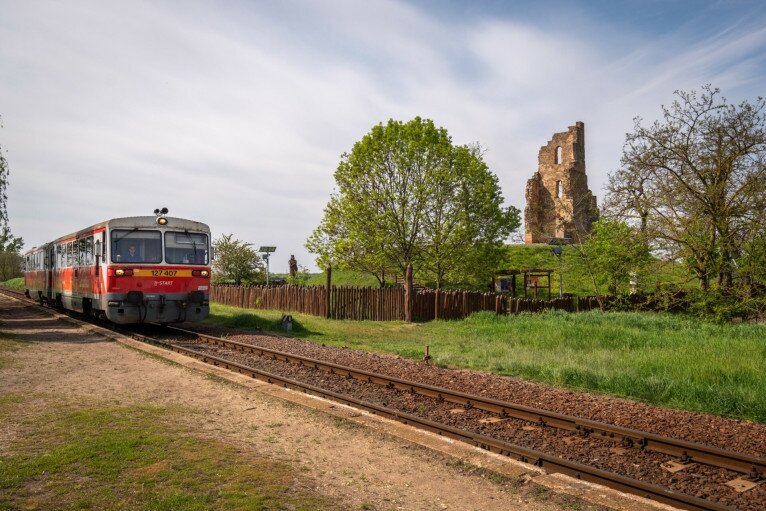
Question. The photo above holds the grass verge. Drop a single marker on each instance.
(135, 458)
(17, 283)
(661, 359)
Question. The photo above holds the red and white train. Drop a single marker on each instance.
(145, 269)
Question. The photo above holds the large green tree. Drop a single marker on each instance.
(236, 262)
(696, 182)
(406, 195)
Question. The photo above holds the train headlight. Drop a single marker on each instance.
(204, 273)
(162, 220)
(119, 272)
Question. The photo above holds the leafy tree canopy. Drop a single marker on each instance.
(616, 255)
(696, 182)
(236, 262)
(405, 194)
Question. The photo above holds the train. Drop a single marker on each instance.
(142, 269)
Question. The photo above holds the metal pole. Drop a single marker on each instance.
(267, 268)
(561, 278)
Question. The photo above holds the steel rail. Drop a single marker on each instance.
(688, 452)
(540, 459)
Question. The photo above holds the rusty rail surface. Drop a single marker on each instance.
(689, 452)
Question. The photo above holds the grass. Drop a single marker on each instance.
(576, 279)
(17, 283)
(344, 278)
(662, 359)
(135, 458)
(7, 348)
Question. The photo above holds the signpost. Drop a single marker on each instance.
(265, 254)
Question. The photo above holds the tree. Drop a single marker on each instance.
(10, 245)
(4, 171)
(617, 254)
(465, 223)
(406, 195)
(696, 181)
(236, 262)
(10, 259)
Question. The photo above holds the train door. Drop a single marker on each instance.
(50, 267)
(99, 268)
(77, 271)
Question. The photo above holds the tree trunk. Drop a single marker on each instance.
(408, 294)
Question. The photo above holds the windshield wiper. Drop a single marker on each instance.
(194, 243)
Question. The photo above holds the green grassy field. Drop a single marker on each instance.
(344, 278)
(577, 280)
(662, 359)
(17, 283)
(134, 458)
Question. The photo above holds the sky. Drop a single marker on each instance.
(236, 113)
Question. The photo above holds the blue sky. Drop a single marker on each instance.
(236, 113)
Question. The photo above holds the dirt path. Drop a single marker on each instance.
(360, 467)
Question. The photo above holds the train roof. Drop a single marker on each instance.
(130, 222)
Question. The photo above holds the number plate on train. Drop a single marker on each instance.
(161, 273)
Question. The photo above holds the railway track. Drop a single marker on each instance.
(749, 468)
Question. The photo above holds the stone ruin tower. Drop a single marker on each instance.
(559, 203)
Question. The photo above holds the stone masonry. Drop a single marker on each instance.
(559, 203)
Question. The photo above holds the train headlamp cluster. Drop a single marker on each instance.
(160, 213)
(123, 272)
(200, 273)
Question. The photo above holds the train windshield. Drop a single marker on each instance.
(186, 248)
(134, 246)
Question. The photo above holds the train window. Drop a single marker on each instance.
(61, 253)
(134, 246)
(186, 248)
(88, 251)
(81, 252)
(70, 254)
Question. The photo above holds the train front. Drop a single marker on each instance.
(157, 270)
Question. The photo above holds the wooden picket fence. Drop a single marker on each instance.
(303, 299)
(387, 304)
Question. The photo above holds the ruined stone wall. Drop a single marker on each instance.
(559, 203)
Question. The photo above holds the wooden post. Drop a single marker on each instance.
(408, 294)
(328, 292)
(549, 285)
(525, 284)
